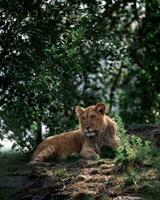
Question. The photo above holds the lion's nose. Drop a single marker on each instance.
(87, 128)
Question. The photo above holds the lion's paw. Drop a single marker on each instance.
(94, 156)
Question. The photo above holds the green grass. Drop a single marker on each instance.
(6, 194)
(60, 172)
(151, 191)
(11, 161)
(140, 163)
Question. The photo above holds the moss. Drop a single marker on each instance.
(60, 172)
(151, 191)
(6, 194)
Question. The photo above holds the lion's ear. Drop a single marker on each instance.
(101, 108)
(79, 110)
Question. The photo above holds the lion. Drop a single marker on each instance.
(96, 130)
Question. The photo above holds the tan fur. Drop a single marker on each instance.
(98, 129)
(95, 131)
(60, 146)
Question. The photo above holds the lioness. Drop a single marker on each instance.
(95, 131)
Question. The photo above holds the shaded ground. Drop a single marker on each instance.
(80, 179)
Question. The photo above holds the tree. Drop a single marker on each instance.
(57, 54)
(141, 101)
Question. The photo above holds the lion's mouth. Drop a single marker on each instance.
(90, 134)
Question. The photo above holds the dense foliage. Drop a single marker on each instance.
(57, 54)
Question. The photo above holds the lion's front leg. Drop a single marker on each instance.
(89, 152)
(89, 155)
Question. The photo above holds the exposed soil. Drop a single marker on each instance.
(73, 180)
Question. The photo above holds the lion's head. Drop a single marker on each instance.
(92, 119)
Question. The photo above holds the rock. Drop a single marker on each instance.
(107, 166)
(95, 171)
(108, 171)
(81, 177)
(83, 195)
(127, 198)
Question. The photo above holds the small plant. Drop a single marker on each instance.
(133, 150)
(132, 176)
(60, 172)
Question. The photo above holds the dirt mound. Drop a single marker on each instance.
(77, 180)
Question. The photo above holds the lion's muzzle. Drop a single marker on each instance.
(91, 133)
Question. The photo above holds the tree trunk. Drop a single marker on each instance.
(39, 133)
